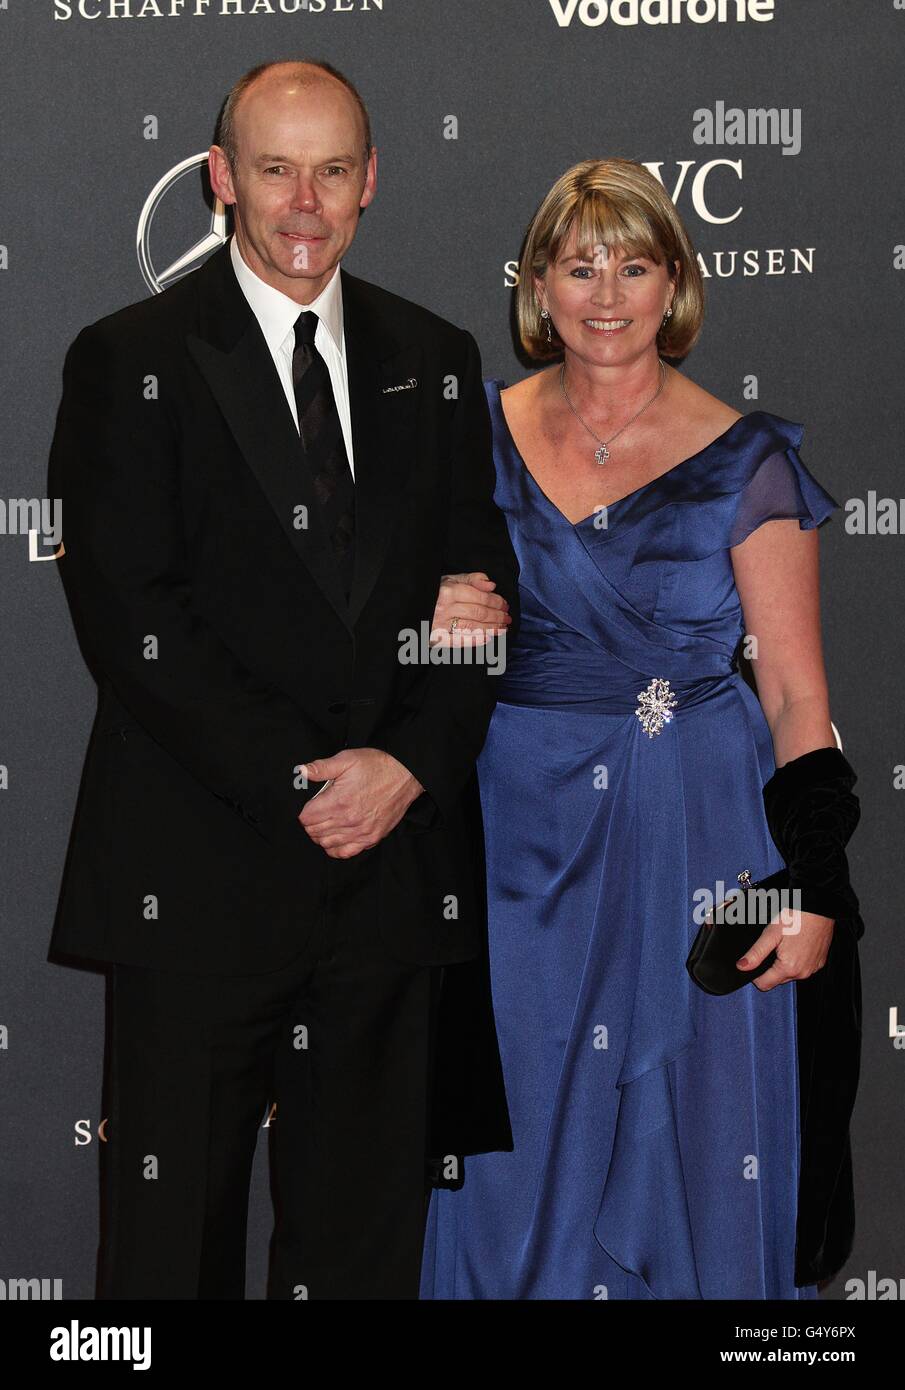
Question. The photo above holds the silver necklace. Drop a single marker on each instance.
(602, 453)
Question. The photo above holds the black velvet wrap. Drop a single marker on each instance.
(812, 812)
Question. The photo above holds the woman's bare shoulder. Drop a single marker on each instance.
(704, 415)
(524, 391)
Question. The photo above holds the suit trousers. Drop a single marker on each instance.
(343, 1040)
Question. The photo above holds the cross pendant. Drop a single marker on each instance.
(602, 454)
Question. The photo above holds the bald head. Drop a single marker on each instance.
(283, 80)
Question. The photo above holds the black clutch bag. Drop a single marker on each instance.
(731, 929)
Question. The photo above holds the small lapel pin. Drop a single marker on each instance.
(403, 386)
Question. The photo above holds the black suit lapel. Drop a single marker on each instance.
(384, 426)
(233, 356)
(234, 359)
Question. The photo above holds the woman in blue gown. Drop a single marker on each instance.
(656, 1127)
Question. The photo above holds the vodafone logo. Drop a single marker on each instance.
(629, 13)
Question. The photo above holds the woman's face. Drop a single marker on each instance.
(608, 309)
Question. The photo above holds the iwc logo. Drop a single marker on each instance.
(158, 279)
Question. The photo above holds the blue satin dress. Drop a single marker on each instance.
(656, 1127)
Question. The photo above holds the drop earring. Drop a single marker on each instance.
(545, 315)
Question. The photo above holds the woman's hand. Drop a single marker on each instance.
(802, 946)
(470, 598)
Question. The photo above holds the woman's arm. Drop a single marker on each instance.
(776, 574)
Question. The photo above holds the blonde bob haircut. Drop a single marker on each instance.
(618, 204)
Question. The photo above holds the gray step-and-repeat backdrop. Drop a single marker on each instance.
(477, 107)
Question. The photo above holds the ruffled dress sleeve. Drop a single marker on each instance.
(780, 488)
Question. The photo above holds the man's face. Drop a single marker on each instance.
(299, 182)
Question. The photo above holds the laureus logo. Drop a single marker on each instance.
(158, 279)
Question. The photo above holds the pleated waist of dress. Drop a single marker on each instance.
(597, 683)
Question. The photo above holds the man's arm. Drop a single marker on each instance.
(442, 728)
(125, 571)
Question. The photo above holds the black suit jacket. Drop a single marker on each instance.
(209, 605)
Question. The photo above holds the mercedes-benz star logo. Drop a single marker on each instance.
(157, 280)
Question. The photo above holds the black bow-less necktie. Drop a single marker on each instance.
(323, 443)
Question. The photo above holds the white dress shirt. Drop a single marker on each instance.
(277, 313)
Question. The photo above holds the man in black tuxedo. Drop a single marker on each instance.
(265, 471)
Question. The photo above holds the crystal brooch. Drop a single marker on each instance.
(656, 706)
